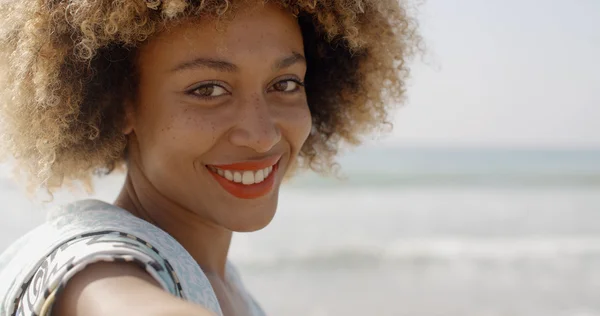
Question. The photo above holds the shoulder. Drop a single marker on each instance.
(89, 231)
(235, 278)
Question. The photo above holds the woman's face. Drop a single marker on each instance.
(221, 114)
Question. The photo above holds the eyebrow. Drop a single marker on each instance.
(226, 66)
(289, 61)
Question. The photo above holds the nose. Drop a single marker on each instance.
(256, 127)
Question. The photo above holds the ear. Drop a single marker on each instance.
(129, 117)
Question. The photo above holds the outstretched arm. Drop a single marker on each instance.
(120, 289)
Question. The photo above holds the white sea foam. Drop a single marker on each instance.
(423, 250)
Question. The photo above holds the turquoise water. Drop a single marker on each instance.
(458, 167)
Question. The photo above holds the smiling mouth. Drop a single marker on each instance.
(247, 180)
(245, 177)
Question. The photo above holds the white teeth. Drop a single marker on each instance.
(259, 176)
(228, 174)
(248, 177)
(245, 177)
(237, 177)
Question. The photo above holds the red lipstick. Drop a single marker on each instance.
(229, 176)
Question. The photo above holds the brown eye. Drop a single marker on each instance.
(205, 91)
(286, 86)
(210, 91)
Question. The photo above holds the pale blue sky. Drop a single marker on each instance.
(505, 72)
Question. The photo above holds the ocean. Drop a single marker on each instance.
(416, 231)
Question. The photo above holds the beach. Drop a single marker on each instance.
(416, 232)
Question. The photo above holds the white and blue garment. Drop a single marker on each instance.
(35, 268)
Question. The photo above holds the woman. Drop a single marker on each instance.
(208, 105)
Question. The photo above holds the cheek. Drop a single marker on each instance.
(297, 127)
(179, 134)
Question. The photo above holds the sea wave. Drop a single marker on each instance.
(431, 250)
(399, 179)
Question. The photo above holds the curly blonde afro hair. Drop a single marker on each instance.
(68, 65)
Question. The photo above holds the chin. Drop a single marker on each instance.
(251, 218)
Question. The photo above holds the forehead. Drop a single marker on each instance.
(257, 29)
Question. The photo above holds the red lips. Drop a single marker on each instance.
(248, 191)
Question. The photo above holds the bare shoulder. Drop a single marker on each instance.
(119, 289)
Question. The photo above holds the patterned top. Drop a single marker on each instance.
(35, 268)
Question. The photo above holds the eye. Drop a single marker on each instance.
(288, 85)
(208, 91)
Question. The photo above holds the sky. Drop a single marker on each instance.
(510, 73)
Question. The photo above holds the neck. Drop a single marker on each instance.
(206, 242)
